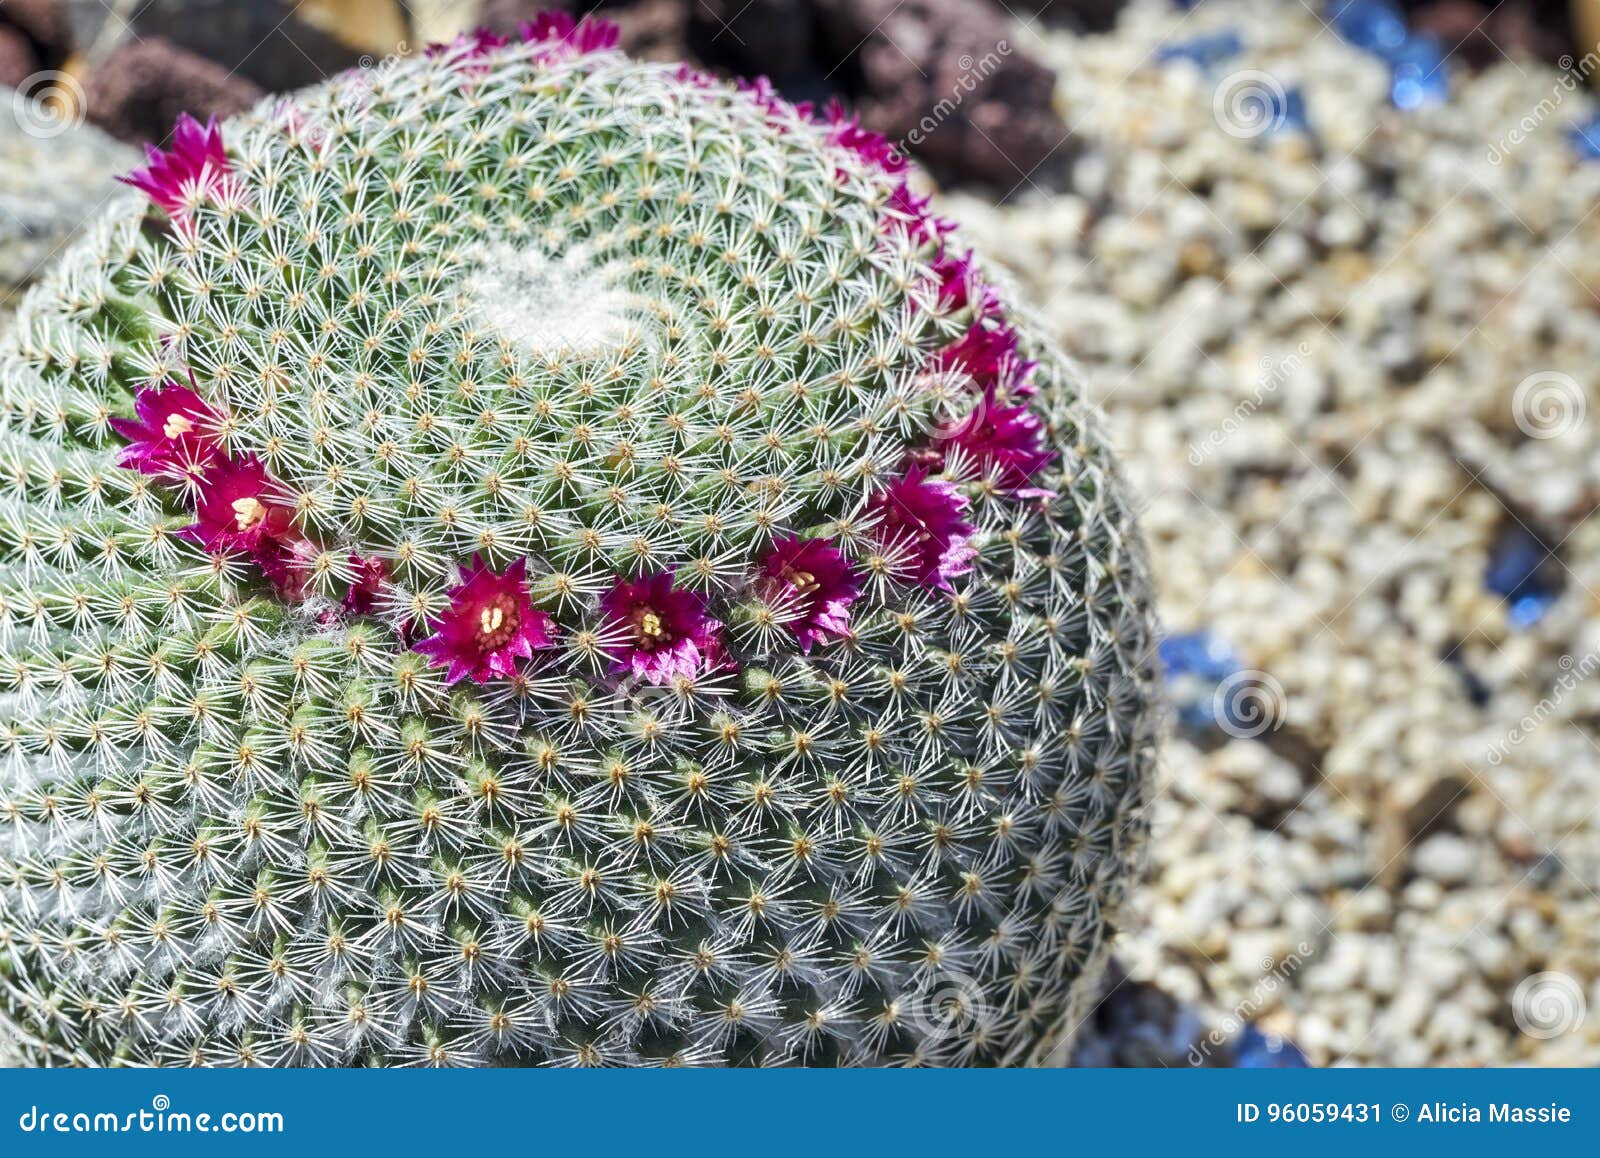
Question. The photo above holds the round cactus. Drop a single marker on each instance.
(524, 557)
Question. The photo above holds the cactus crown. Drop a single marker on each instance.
(534, 557)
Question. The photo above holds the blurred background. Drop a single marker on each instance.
(1332, 268)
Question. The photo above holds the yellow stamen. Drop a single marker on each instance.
(177, 425)
(248, 512)
(491, 618)
(650, 623)
(804, 581)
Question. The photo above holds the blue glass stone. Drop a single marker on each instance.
(1254, 1050)
(1289, 114)
(1198, 653)
(1203, 51)
(1515, 560)
(1526, 610)
(1374, 25)
(1585, 139)
(1196, 662)
(1419, 74)
(1518, 573)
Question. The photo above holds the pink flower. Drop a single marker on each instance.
(491, 623)
(473, 44)
(771, 101)
(694, 77)
(239, 507)
(171, 434)
(288, 560)
(812, 586)
(559, 29)
(845, 132)
(912, 214)
(985, 354)
(1002, 442)
(192, 170)
(960, 286)
(297, 126)
(664, 632)
(369, 574)
(919, 520)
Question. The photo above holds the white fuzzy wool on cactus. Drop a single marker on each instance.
(526, 557)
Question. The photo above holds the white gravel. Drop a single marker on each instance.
(1337, 368)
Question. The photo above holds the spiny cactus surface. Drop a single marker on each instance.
(525, 557)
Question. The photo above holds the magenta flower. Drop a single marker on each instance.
(288, 560)
(919, 519)
(985, 354)
(239, 507)
(960, 286)
(912, 214)
(560, 29)
(491, 623)
(193, 169)
(689, 75)
(845, 131)
(771, 101)
(1002, 442)
(368, 575)
(812, 585)
(664, 632)
(171, 434)
(478, 42)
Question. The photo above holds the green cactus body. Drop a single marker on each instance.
(523, 306)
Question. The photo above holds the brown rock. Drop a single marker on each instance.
(1481, 34)
(774, 38)
(1538, 28)
(1461, 26)
(1085, 15)
(652, 29)
(944, 78)
(41, 22)
(142, 86)
(17, 61)
(274, 43)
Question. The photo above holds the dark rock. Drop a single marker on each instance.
(652, 29)
(943, 78)
(1482, 34)
(41, 22)
(142, 86)
(1462, 29)
(774, 38)
(264, 41)
(17, 59)
(1083, 15)
(1537, 28)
